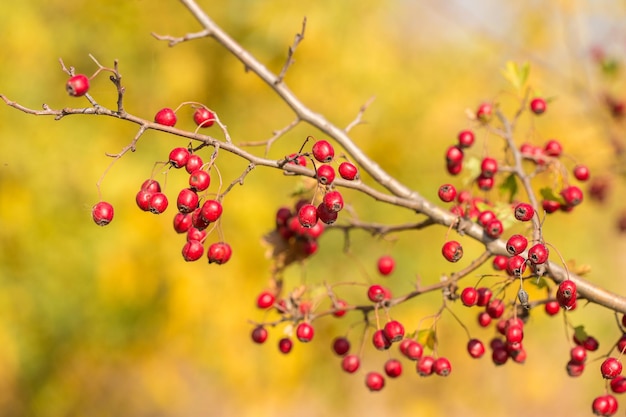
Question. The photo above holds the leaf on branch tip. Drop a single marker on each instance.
(516, 74)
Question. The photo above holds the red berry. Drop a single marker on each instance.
(469, 296)
(307, 215)
(304, 332)
(259, 334)
(499, 262)
(499, 356)
(425, 365)
(516, 265)
(380, 340)
(574, 368)
(604, 405)
(77, 85)
(610, 368)
(394, 331)
(102, 213)
(199, 180)
(447, 193)
(393, 368)
(516, 244)
(193, 250)
(550, 206)
(143, 199)
(151, 186)
(386, 264)
(475, 348)
(193, 163)
(325, 174)
(484, 112)
(495, 308)
(484, 296)
(485, 217)
(411, 349)
(348, 171)
(219, 253)
(494, 228)
(465, 138)
(179, 157)
(350, 363)
(325, 216)
(203, 117)
(484, 319)
(552, 307)
(165, 117)
(553, 148)
(265, 300)
(341, 346)
(514, 333)
(581, 172)
(538, 254)
(297, 159)
(454, 155)
(158, 203)
(566, 294)
(572, 195)
(285, 345)
(340, 308)
(182, 222)
(323, 151)
(484, 183)
(454, 168)
(538, 105)
(452, 251)
(618, 384)
(211, 210)
(488, 167)
(524, 212)
(187, 200)
(578, 354)
(442, 366)
(333, 201)
(374, 381)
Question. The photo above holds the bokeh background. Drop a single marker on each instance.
(111, 321)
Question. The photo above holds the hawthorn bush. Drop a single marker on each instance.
(501, 182)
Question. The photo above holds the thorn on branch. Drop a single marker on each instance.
(172, 41)
(359, 117)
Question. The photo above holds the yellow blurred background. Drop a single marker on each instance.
(111, 321)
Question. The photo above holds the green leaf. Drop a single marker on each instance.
(509, 185)
(427, 338)
(516, 74)
(548, 194)
(580, 333)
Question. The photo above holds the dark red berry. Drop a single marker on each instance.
(151, 186)
(484, 183)
(484, 296)
(618, 384)
(454, 168)
(77, 85)
(341, 346)
(165, 117)
(102, 213)
(494, 229)
(550, 206)
(204, 117)
(452, 251)
(285, 345)
(259, 334)
(297, 159)
(495, 308)
(182, 222)
(380, 340)
(325, 215)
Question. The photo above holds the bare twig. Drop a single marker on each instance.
(292, 49)
(359, 117)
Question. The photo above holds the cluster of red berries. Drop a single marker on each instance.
(202, 116)
(303, 240)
